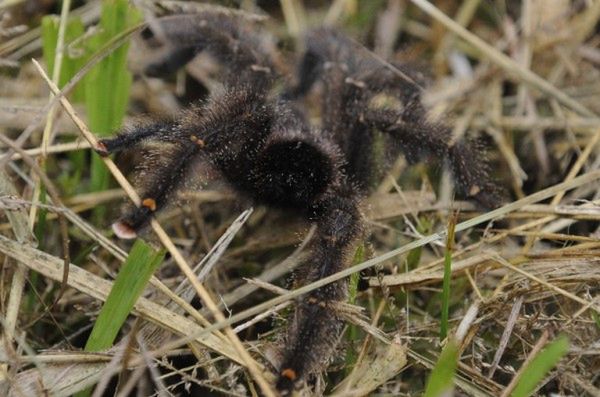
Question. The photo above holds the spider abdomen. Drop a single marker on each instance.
(293, 173)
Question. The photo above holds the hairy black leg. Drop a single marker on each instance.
(244, 53)
(416, 137)
(336, 61)
(308, 73)
(354, 80)
(344, 101)
(171, 62)
(362, 159)
(316, 326)
(164, 131)
(471, 174)
(160, 184)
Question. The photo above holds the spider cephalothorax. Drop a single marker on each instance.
(266, 150)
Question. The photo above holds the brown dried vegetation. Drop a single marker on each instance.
(525, 81)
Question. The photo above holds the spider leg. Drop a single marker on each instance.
(228, 130)
(308, 74)
(354, 80)
(244, 54)
(212, 123)
(344, 99)
(416, 136)
(161, 183)
(163, 131)
(171, 62)
(316, 326)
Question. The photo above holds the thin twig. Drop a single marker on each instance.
(510, 324)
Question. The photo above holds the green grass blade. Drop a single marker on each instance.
(49, 33)
(539, 367)
(441, 379)
(446, 295)
(414, 258)
(40, 225)
(366, 13)
(447, 276)
(70, 65)
(596, 319)
(128, 286)
(109, 81)
(72, 61)
(359, 256)
(107, 84)
(352, 333)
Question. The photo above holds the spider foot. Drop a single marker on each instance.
(124, 231)
(101, 148)
(106, 147)
(312, 336)
(127, 227)
(286, 381)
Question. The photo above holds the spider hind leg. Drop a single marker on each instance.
(316, 324)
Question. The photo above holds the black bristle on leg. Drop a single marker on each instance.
(361, 162)
(232, 40)
(308, 74)
(471, 174)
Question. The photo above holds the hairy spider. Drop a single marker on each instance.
(266, 150)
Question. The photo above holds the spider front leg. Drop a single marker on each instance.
(316, 325)
(161, 183)
(162, 131)
(160, 180)
(227, 130)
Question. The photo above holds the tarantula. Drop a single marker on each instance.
(263, 146)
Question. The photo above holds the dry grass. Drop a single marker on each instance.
(521, 75)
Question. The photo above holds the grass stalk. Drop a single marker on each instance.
(447, 277)
(107, 84)
(441, 379)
